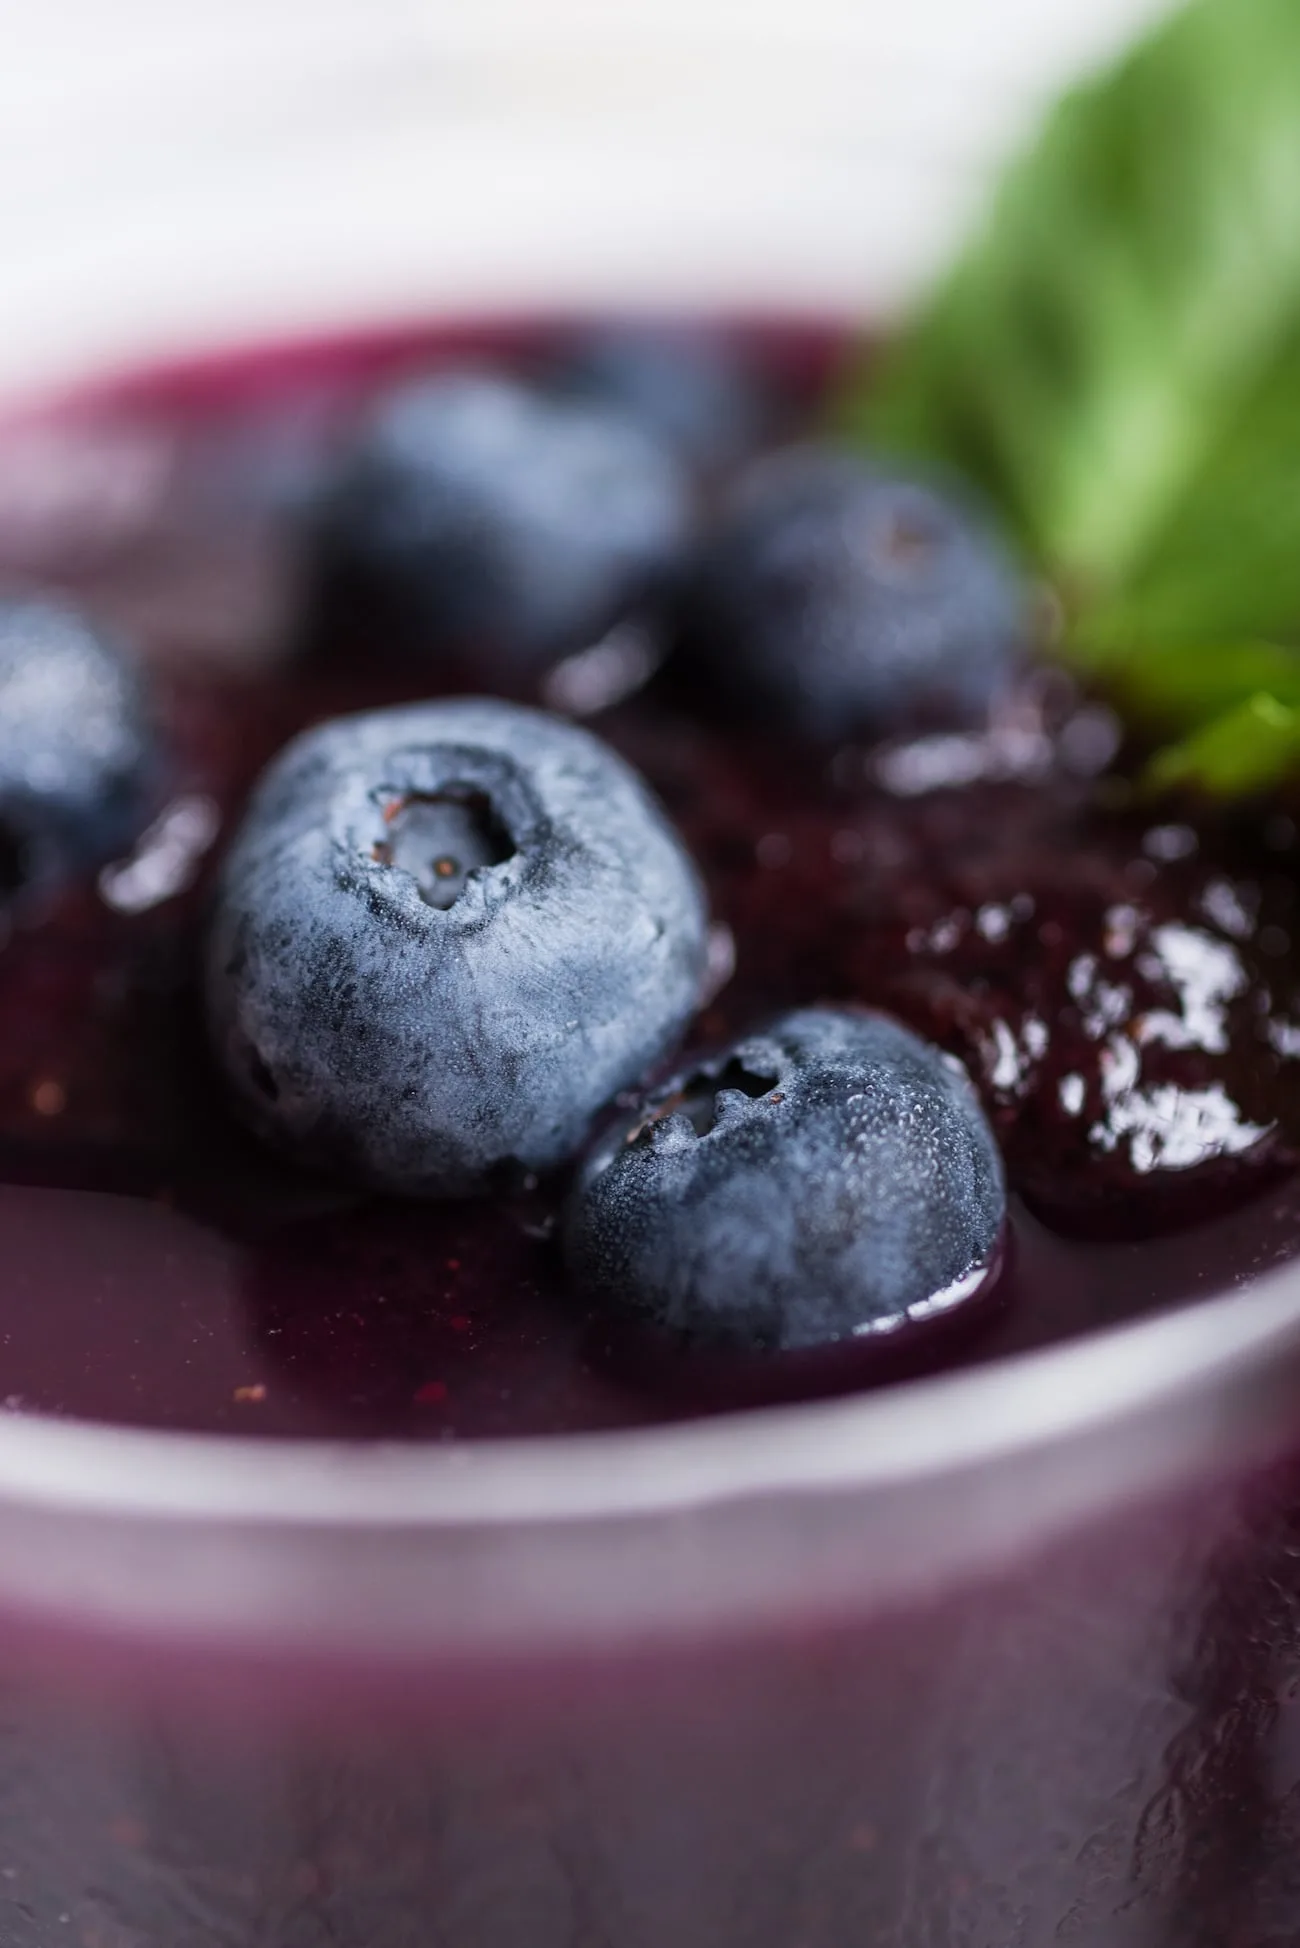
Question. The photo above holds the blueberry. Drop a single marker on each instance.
(75, 749)
(697, 394)
(499, 524)
(829, 1179)
(839, 596)
(445, 936)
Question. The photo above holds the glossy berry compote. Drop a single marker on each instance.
(1117, 979)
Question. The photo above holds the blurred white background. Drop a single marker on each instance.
(172, 174)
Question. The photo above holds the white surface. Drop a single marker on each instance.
(173, 174)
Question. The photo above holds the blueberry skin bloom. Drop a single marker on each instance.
(500, 522)
(697, 394)
(444, 937)
(76, 752)
(827, 1180)
(840, 596)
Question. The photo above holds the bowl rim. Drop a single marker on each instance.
(870, 1443)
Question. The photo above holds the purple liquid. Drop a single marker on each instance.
(160, 1270)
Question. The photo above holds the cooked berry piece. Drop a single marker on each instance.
(445, 936)
(829, 1179)
(839, 596)
(499, 523)
(75, 750)
(1136, 1049)
(695, 393)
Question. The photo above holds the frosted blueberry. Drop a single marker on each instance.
(76, 752)
(828, 1179)
(498, 523)
(445, 936)
(838, 595)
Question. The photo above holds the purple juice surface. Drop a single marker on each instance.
(1121, 982)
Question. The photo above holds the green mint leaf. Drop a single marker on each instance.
(1249, 748)
(1116, 359)
(1189, 683)
(1230, 560)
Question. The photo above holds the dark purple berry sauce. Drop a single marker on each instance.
(1120, 976)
